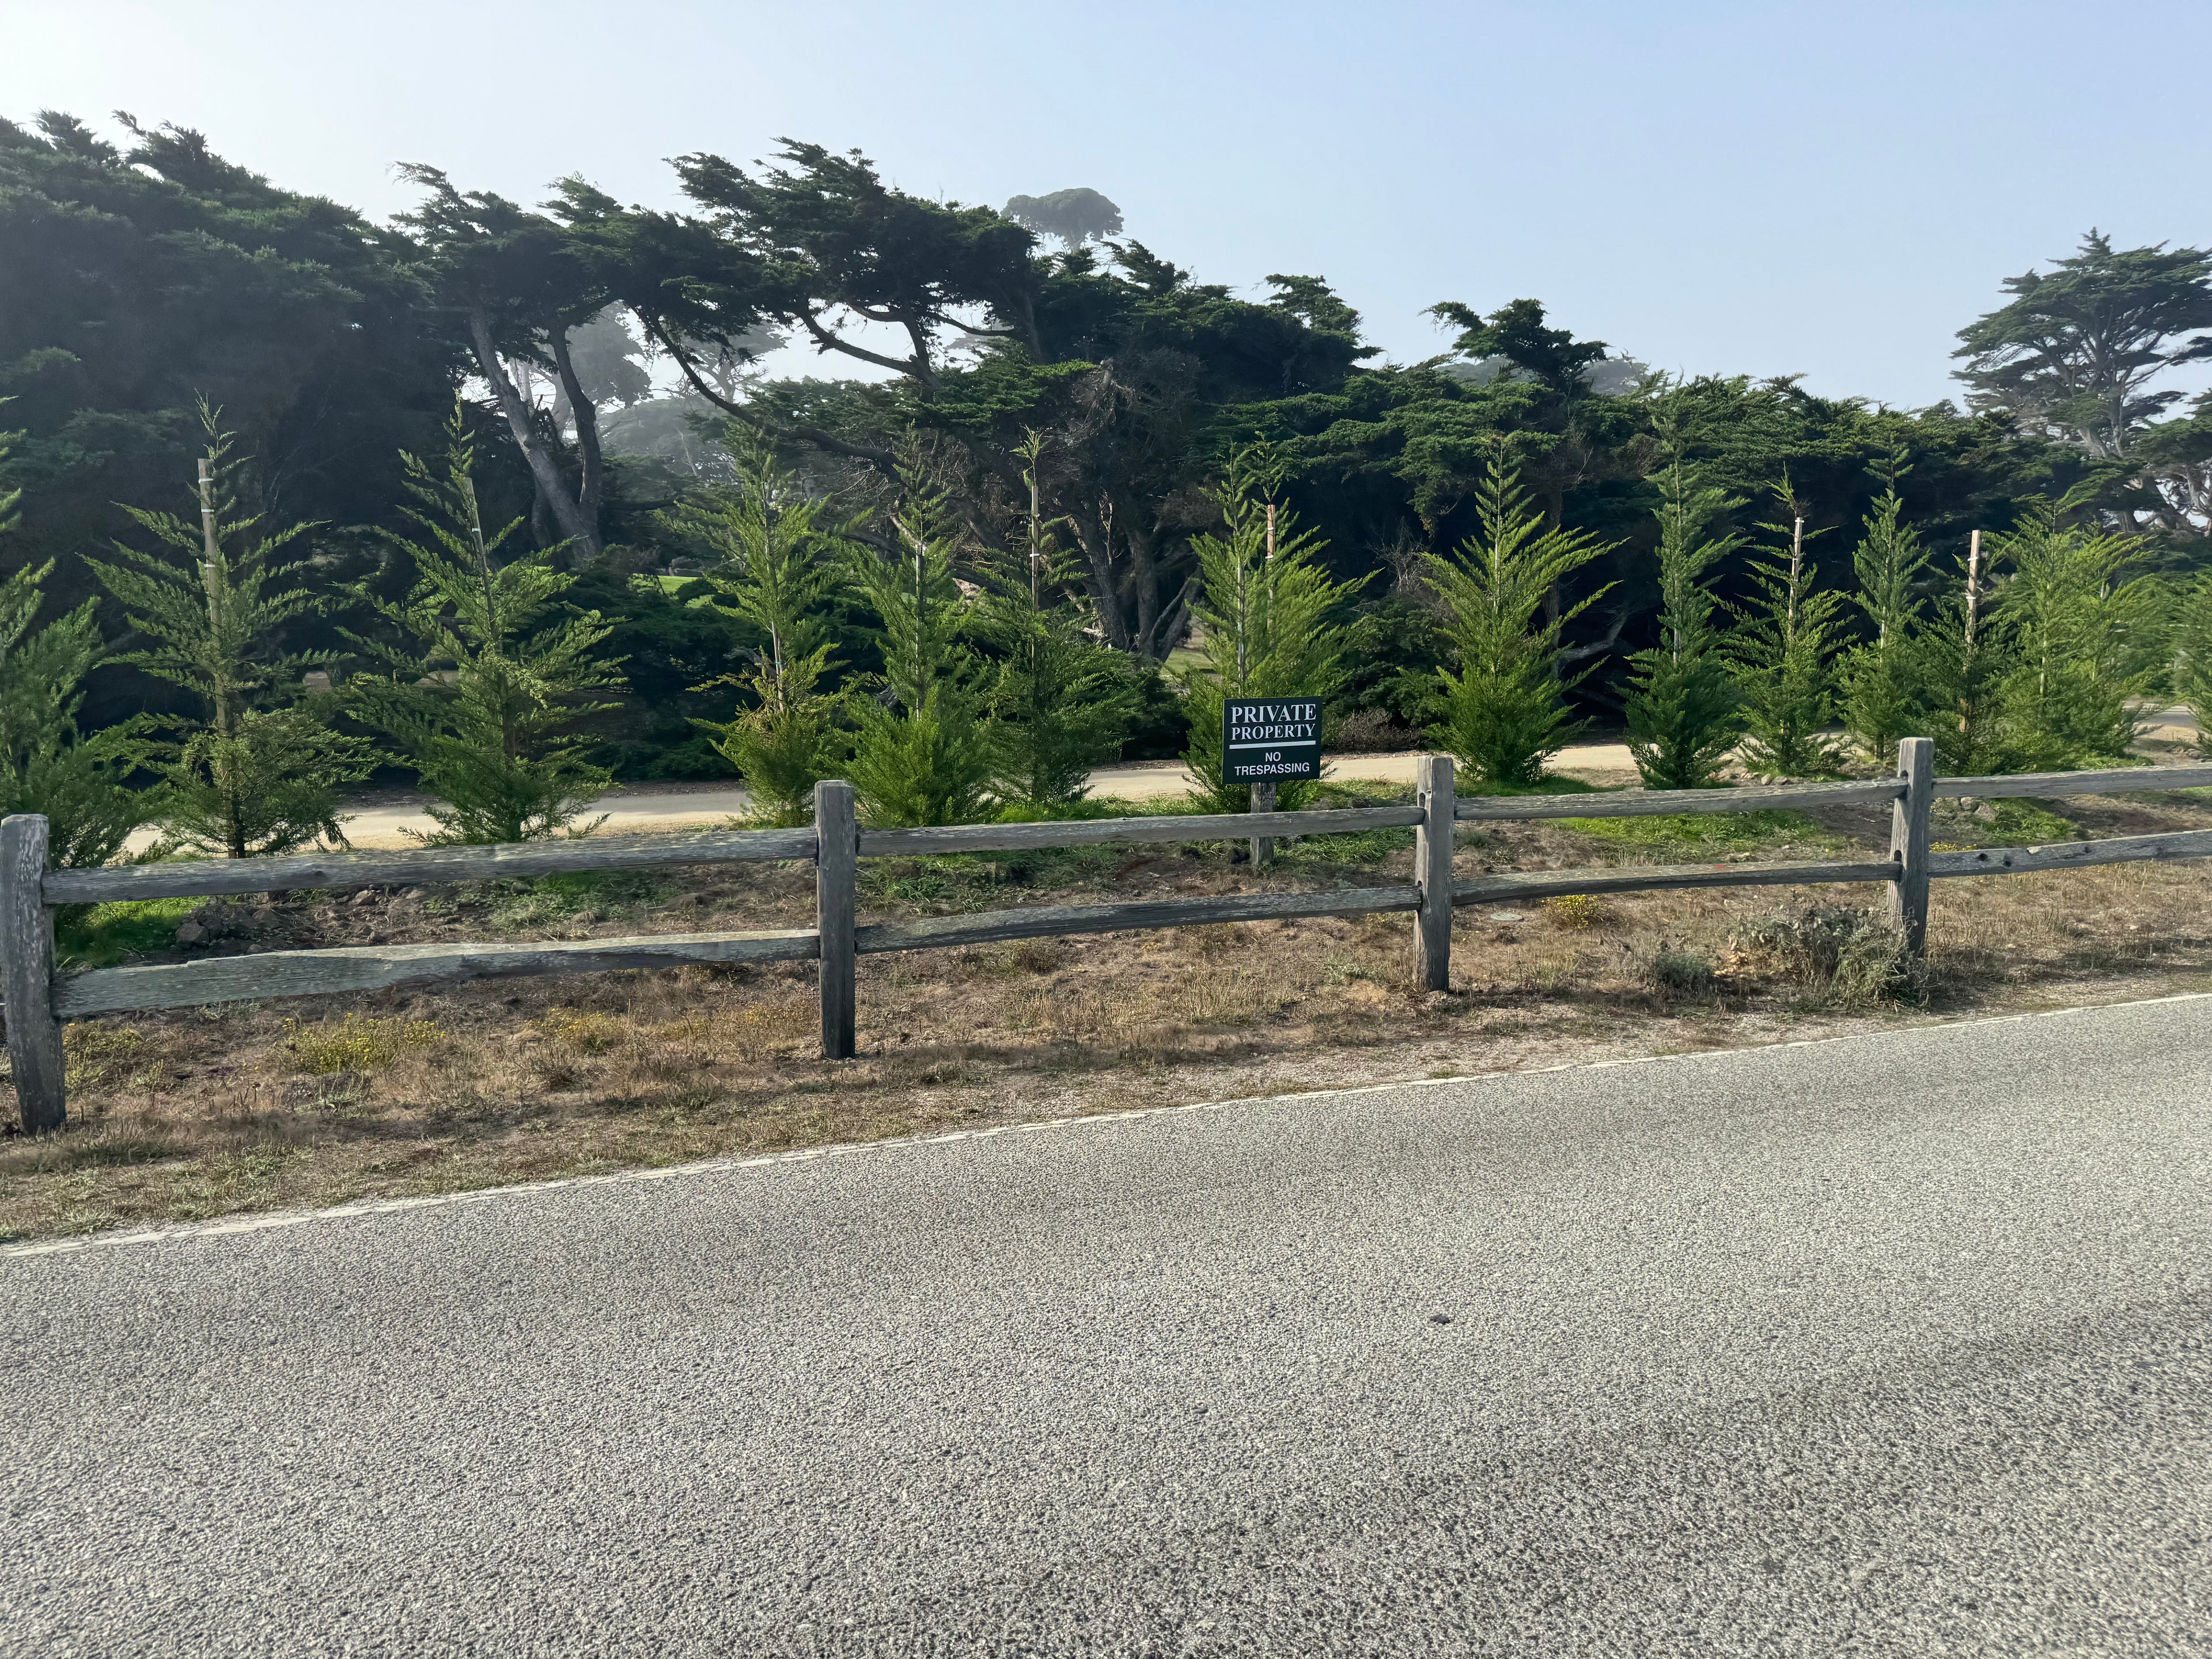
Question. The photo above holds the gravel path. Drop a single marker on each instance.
(1889, 1345)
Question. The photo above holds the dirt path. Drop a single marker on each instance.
(384, 821)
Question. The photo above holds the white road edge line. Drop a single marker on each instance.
(254, 1224)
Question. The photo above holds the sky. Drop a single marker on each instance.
(1829, 190)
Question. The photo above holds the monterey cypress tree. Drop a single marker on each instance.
(1504, 710)
(2086, 641)
(1886, 695)
(921, 755)
(1785, 659)
(78, 782)
(778, 566)
(491, 735)
(1264, 609)
(1062, 702)
(259, 771)
(1684, 713)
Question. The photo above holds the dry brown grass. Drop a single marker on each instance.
(193, 1114)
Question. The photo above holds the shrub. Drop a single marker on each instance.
(1676, 972)
(359, 1042)
(1504, 711)
(1577, 912)
(1844, 958)
(491, 735)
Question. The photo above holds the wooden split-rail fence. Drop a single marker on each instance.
(38, 1000)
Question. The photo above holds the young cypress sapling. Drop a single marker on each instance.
(921, 754)
(1965, 658)
(2192, 657)
(1504, 710)
(493, 734)
(77, 780)
(1683, 711)
(1264, 608)
(1885, 693)
(1062, 702)
(2086, 641)
(777, 568)
(1785, 659)
(259, 772)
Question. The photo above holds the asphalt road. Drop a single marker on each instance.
(1888, 1345)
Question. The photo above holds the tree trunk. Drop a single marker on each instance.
(587, 415)
(567, 514)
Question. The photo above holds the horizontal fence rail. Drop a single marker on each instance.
(1518, 885)
(1107, 832)
(38, 999)
(430, 866)
(2056, 786)
(380, 967)
(1668, 803)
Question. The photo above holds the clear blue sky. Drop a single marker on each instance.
(1825, 188)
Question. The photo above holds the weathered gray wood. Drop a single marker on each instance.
(1038, 921)
(26, 975)
(1263, 801)
(1909, 840)
(427, 867)
(1106, 832)
(1432, 872)
(837, 897)
(272, 974)
(2055, 785)
(1518, 886)
(2072, 854)
(1654, 803)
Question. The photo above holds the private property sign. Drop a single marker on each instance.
(1270, 739)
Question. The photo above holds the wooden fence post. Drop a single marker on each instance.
(1909, 840)
(1263, 800)
(27, 974)
(836, 884)
(1433, 870)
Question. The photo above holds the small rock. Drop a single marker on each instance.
(189, 933)
(1509, 915)
(367, 896)
(413, 893)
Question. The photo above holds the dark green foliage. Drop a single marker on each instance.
(1503, 702)
(1684, 713)
(259, 769)
(2085, 640)
(135, 282)
(1965, 658)
(1886, 694)
(2192, 658)
(1785, 651)
(2075, 351)
(1266, 610)
(1060, 703)
(487, 670)
(79, 781)
(921, 755)
(777, 566)
(1075, 216)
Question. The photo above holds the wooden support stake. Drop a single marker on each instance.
(836, 892)
(27, 974)
(1909, 840)
(1263, 800)
(1432, 871)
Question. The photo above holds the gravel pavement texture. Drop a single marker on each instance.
(1889, 1345)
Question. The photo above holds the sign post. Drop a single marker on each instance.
(1266, 741)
